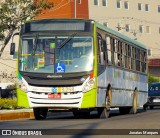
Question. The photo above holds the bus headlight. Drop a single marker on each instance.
(22, 86)
(89, 85)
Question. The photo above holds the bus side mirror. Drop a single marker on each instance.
(149, 52)
(12, 49)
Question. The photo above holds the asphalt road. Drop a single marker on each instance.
(141, 120)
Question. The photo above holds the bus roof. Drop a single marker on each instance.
(120, 35)
(109, 30)
(60, 19)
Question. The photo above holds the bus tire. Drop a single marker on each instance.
(40, 113)
(134, 102)
(124, 110)
(145, 107)
(104, 112)
(109, 97)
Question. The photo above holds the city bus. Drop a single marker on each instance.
(80, 66)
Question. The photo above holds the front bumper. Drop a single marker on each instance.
(69, 100)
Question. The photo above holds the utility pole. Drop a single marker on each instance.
(75, 9)
(119, 27)
(134, 33)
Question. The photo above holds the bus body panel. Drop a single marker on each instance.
(38, 97)
(22, 98)
(123, 84)
(70, 100)
(66, 101)
(89, 99)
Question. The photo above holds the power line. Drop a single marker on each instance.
(124, 18)
(53, 9)
(57, 15)
(7, 65)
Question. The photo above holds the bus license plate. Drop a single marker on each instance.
(54, 96)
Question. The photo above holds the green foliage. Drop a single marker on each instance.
(11, 86)
(13, 90)
(13, 13)
(152, 79)
(7, 103)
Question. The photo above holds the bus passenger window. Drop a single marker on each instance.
(129, 57)
(112, 50)
(137, 59)
(115, 52)
(123, 55)
(126, 56)
(133, 59)
(108, 41)
(143, 63)
(119, 53)
(100, 51)
(119, 60)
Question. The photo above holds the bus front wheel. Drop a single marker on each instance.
(40, 113)
(104, 112)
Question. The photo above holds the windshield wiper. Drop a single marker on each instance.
(67, 40)
(35, 44)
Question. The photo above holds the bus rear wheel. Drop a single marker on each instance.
(104, 112)
(134, 102)
(40, 113)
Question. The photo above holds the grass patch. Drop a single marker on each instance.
(8, 103)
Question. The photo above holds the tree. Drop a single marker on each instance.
(15, 12)
(152, 79)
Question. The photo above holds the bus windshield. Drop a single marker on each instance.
(58, 54)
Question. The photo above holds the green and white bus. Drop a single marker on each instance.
(79, 65)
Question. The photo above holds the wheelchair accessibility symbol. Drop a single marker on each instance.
(60, 67)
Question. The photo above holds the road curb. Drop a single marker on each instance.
(26, 114)
(16, 115)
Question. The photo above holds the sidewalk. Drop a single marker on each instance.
(27, 113)
(16, 114)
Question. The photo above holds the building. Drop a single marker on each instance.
(154, 67)
(67, 9)
(8, 67)
(138, 19)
